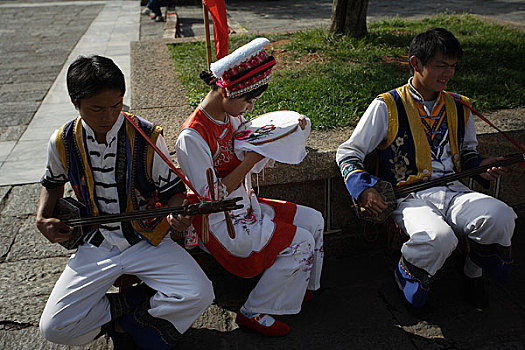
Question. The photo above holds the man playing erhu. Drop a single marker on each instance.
(420, 133)
(113, 170)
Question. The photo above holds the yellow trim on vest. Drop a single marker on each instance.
(151, 152)
(452, 121)
(466, 117)
(158, 233)
(87, 168)
(130, 131)
(466, 110)
(393, 120)
(422, 147)
(61, 149)
(153, 236)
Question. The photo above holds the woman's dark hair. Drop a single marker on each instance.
(87, 76)
(433, 42)
(211, 80)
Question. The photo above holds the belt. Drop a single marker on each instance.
(96, 239)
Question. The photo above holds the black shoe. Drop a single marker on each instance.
(476, 292)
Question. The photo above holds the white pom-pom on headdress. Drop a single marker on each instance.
(238, 56)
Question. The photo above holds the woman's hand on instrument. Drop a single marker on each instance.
(302, 122)
(492, 172)
(234, 178)
(252, 158)
(372, 201)
(54, 229)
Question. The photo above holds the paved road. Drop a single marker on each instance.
(39, 40)
(358, 307)
(281, 15)
(33, 50)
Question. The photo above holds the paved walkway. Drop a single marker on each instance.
(114, 25)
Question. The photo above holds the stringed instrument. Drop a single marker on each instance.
(390, 194)
(72, 213)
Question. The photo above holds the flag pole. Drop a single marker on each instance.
(207, 31)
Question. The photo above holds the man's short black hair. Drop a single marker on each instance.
(433, 42)
(87, 76)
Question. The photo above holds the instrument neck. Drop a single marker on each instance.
(406, 190)
(106, 219)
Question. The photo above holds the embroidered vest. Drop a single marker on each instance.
(134, 161)
(219, 138)
(405, 156)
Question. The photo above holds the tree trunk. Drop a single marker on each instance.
(349, 17)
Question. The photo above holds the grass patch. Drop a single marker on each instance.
(332, 79)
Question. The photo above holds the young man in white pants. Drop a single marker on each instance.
(113, 170)
(420, 133)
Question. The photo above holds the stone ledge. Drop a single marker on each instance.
(172, 26)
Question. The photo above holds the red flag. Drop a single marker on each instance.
(217, 9)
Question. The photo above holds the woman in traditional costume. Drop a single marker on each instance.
(281, 240)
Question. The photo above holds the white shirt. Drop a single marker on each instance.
(372, 129)
(103, 160)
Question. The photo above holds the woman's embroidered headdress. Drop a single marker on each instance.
(245, 69)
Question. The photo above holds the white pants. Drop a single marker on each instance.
(282, 286)
(431, 218)
(77, 307)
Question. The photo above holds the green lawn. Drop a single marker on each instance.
(332, 79)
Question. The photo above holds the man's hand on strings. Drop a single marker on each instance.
(492, 172)
(180, 222)
(179, 225)
(372, 201)
(54, 230)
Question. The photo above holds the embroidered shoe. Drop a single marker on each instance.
(308, 295)
(415, 290)
(262, 323)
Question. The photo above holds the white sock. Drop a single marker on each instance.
(471, 270)
(265, 320)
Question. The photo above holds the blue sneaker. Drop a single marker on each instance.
(414, 289)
